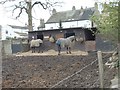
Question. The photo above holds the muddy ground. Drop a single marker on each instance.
(48, 71)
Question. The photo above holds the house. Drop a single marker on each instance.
(13, 31)
(71, 18)
(21, 31)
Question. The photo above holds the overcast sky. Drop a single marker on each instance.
(40, 13)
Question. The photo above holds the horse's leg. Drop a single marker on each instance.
(70, 50)
(41, 48)
(67, 49)
(32, 49)
(59, 49)
(38, 49)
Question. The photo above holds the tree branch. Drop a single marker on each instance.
(3, 2)
(42, 4)
(21, 9)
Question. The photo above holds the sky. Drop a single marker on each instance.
(7, 18)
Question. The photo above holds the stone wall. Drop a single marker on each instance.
(6, 47)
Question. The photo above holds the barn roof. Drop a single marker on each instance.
(18, 27)
(21, 34)
(71, 15)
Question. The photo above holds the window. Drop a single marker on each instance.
(6, 32)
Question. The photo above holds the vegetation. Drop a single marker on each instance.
(107, 21)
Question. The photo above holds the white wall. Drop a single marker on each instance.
(52, 26)
(83, 23)
(69, 24)
(11, 33)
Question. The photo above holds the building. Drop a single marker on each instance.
(13, 31)
(21, 31)
(71, 18)
(79, 32)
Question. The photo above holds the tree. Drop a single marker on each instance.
(27, 6)
(108, 24)
(107, 21)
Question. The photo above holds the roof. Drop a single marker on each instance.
(21, 34)
(74, 28)
(18, 27)
(71, 15)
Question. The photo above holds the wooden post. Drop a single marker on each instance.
(100, 62)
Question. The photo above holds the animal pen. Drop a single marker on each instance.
(85, 34)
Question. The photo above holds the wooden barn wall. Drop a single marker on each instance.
(59, 33)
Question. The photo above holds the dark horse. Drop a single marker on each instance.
(65, 42)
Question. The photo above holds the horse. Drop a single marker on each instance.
(65, 42)
(35, 44)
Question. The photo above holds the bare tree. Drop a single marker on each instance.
(27, 6)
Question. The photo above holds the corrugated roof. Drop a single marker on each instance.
(18, 27)
(71, 15)
(21, 34)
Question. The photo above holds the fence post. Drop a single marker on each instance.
(100, 62)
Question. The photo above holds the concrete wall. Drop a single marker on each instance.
(6, 47)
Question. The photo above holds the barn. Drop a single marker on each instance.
(85, 33)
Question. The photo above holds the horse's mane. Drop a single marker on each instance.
(72, 38)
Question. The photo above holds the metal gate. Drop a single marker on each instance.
(16, 48)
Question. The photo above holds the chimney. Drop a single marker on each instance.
(54, 11)
(81, 9)
(73, 8)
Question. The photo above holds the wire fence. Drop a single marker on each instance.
(61, 82)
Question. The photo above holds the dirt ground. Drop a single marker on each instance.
(52, 53)
(39, 70)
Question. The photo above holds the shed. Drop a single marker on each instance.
(79, 32)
